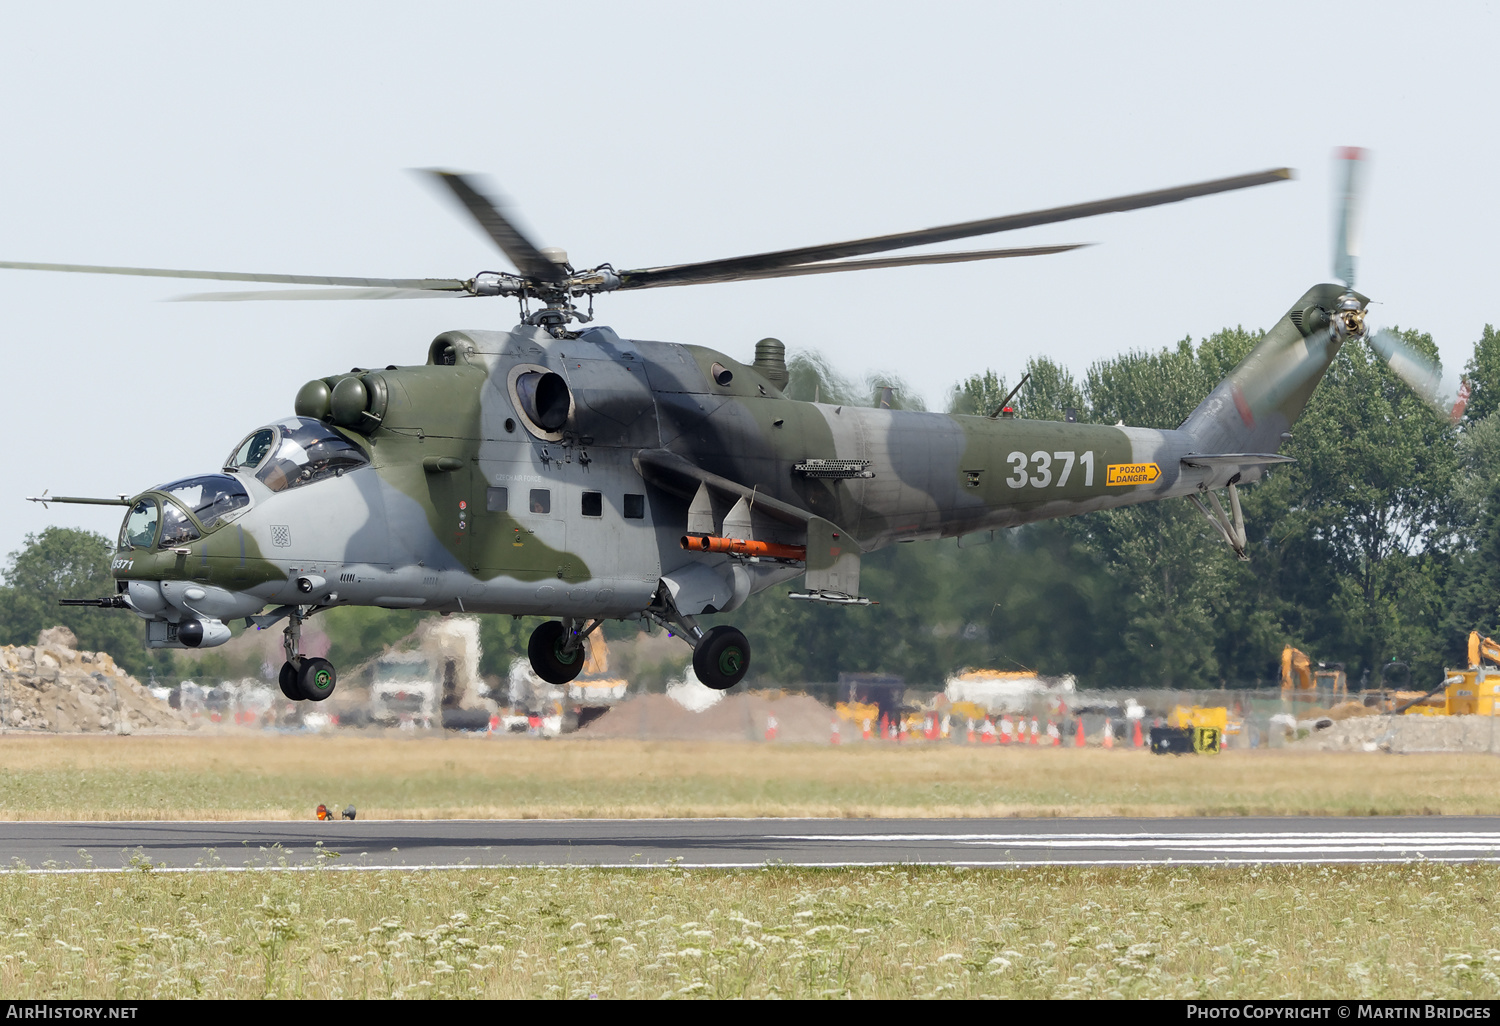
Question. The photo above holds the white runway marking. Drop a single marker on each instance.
(1323, 846)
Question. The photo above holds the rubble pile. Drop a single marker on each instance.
(1406, 734)
(53, 686)
(738, 717)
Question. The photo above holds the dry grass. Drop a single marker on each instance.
(283, 777)
(1414, 931)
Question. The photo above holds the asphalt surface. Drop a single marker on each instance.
(413, 844)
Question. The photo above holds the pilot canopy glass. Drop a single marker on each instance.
(305, 451)
(213, 498)
(139, 529)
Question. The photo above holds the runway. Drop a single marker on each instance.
(707, 843)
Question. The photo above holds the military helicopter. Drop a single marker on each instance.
(577, 475)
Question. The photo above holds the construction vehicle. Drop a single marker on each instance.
(1195, 728)
(1300, 681)
(1471, 692)
(404, 692)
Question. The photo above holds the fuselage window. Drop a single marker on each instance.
(635, 507)
(541, 500)
(593, 504)
(139, 529)
(309, 451)
(497, 500)
(176, 528)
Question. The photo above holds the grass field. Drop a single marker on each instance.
(286, 777)
(1419, 930)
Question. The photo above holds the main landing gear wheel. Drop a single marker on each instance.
(548, 658)
(316, 679)
(721, 658)
(288, 682)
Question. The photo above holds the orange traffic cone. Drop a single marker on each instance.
(971, 732)
(1005, 730)
(770, 728)
(1054, 733)
(988, 732)
(1109, 733)
(1138, 734)
(1081, 741)
(867, 728)
(1035, 732)
(833, 733)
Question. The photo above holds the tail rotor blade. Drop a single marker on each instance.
(1418, 370)
(1346, 235)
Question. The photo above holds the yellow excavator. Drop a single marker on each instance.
(1300, 680)
(1471, 692)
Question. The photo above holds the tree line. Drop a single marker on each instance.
(1380, 543)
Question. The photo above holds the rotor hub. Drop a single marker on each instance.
(1350, 316)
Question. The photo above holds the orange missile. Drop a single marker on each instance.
(742, 547)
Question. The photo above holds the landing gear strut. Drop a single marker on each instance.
(303, 678)
(721, 656)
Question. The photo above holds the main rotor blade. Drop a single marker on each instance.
(717, 270)
(529, 260)
(438, 284)
(865, 265)
(1346, 236)
(1418, 370)
(359, 293)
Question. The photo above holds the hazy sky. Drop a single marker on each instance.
(265, 137)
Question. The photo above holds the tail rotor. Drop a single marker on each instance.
(1419, 371)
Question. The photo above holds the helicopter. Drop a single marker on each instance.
(561, 470)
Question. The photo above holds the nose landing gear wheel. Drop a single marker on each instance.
(548, 659)
(316, 679)
(288, 682)
(722, 658)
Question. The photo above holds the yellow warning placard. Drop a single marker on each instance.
(1131, 473)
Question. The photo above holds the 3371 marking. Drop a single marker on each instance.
(1036, 469)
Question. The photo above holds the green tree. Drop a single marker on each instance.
(1049, 392)
(1171, 566)
(812, 379)
(67, 563)
(1148, 389)
(1371, 509)
(1483, 374)
(978, 394)
(1474, 595)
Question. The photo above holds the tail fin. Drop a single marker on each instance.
(1253, 409)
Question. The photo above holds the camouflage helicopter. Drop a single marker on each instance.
(577, 475)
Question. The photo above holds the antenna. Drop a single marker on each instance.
(1011, 395)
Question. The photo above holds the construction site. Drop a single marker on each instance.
(429, 683)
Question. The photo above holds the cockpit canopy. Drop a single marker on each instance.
(295, 452)
(213, 499)
(287, 454)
